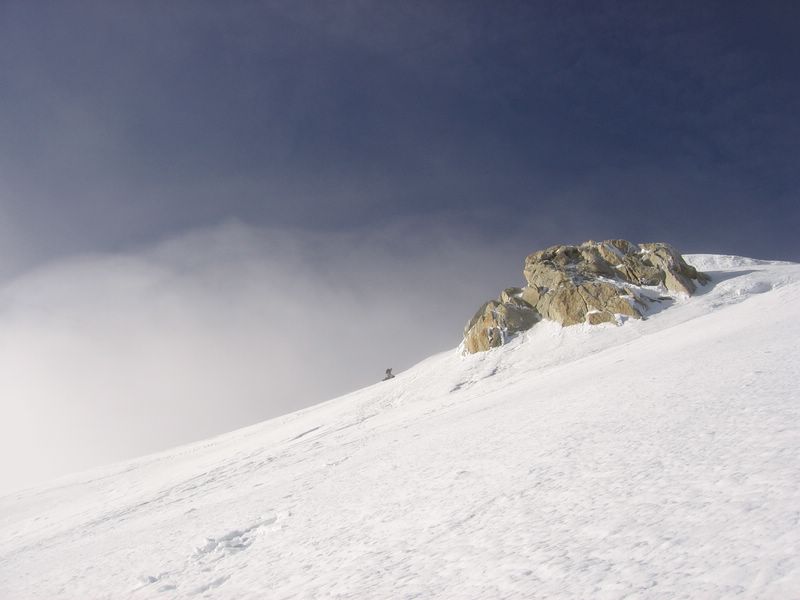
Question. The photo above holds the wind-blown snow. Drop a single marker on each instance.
(658, 459)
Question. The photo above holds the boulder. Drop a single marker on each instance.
(594, 282)
(495, 321)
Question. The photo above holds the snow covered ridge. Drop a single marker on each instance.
(595, 282)
(712, 262)
(656, 460)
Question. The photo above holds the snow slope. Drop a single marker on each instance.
(658, 459)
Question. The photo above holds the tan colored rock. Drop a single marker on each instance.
(610, 297)
(513, 296)
(530, 295)
(597, 317)
(677, 274)
(479, 332)
(589, 283)
(495, 321)
(567, 306)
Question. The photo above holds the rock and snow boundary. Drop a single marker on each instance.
(656, 460)
(592, 283)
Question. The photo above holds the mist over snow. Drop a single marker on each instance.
(109, 356)
(220, 222)
(656, 459)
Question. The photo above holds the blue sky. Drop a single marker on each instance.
(334, 187)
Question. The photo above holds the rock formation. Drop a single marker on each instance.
(595, 282)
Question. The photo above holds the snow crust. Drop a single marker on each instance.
(711, 262)
(657, 459)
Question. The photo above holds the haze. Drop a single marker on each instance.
(211, 214)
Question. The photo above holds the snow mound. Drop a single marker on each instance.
(718, 262)
(655, 460)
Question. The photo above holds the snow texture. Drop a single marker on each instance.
(657, 459)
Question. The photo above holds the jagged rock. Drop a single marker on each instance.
(496, 320)
(593, 283)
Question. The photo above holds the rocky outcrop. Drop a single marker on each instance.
(497, 319)
(595, 282)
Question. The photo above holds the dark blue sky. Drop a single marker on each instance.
(125, 122)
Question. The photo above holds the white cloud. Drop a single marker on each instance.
(110, 356)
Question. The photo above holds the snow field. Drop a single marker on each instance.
(653, 460)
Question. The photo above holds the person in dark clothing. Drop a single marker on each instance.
(388, 374)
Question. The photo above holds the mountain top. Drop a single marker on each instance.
(594, 282)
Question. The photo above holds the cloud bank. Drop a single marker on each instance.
(114, 355)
